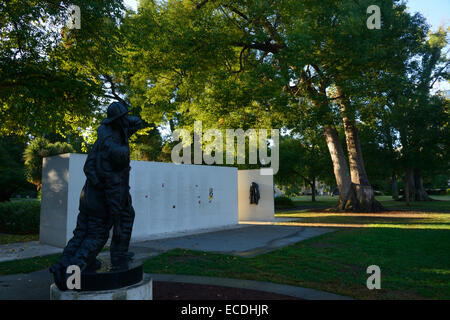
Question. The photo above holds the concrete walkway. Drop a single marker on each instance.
(247, 241)
(24, 250)
(31, 286)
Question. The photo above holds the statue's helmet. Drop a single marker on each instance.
(115, 111)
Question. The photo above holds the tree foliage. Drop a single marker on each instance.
(50, 76)
(12, 171)
(34, 154)
(304, 160)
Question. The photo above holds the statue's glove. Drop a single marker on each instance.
(135, 125)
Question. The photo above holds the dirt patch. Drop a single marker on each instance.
(324, 245)
(188, 291)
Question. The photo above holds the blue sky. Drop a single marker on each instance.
(437, 12)
(131, 3)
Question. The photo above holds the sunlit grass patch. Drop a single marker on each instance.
(392, 219)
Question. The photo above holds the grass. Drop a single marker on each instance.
(321, 201)
(28, 265)
(11, 238)
(415, 264)
(442, 204)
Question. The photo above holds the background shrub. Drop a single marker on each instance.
(20, 217)
(283, 202)
(35, 152)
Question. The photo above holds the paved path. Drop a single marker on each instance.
(247, 241)
(24, 250)
(31, 286)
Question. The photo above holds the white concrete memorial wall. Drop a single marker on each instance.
(167, 197)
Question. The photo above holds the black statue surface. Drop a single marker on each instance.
(254, 193)
(109, 277)
(105, 200)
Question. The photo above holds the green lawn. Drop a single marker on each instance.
(414, 264)
(442, 204)
(27, 265)
(321, 201)
(11, 238)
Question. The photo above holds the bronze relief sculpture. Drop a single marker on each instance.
(254, 193)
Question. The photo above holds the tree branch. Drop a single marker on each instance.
(201, 4)
(438, 74)
(113, 90)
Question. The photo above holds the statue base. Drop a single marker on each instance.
(111, 281)
(139, 291)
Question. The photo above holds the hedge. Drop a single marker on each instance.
(283, 202)
(20, 217)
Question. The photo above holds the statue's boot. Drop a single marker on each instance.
(94, 266)
(120, 261)
(59, 275)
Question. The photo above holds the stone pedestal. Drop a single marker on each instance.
(138, 291)
(104, 280)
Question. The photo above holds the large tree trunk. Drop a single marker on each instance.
(365, 195)
(409, 187)
(394, 187)
(313, 190)
(419, 192)
(347, 197)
